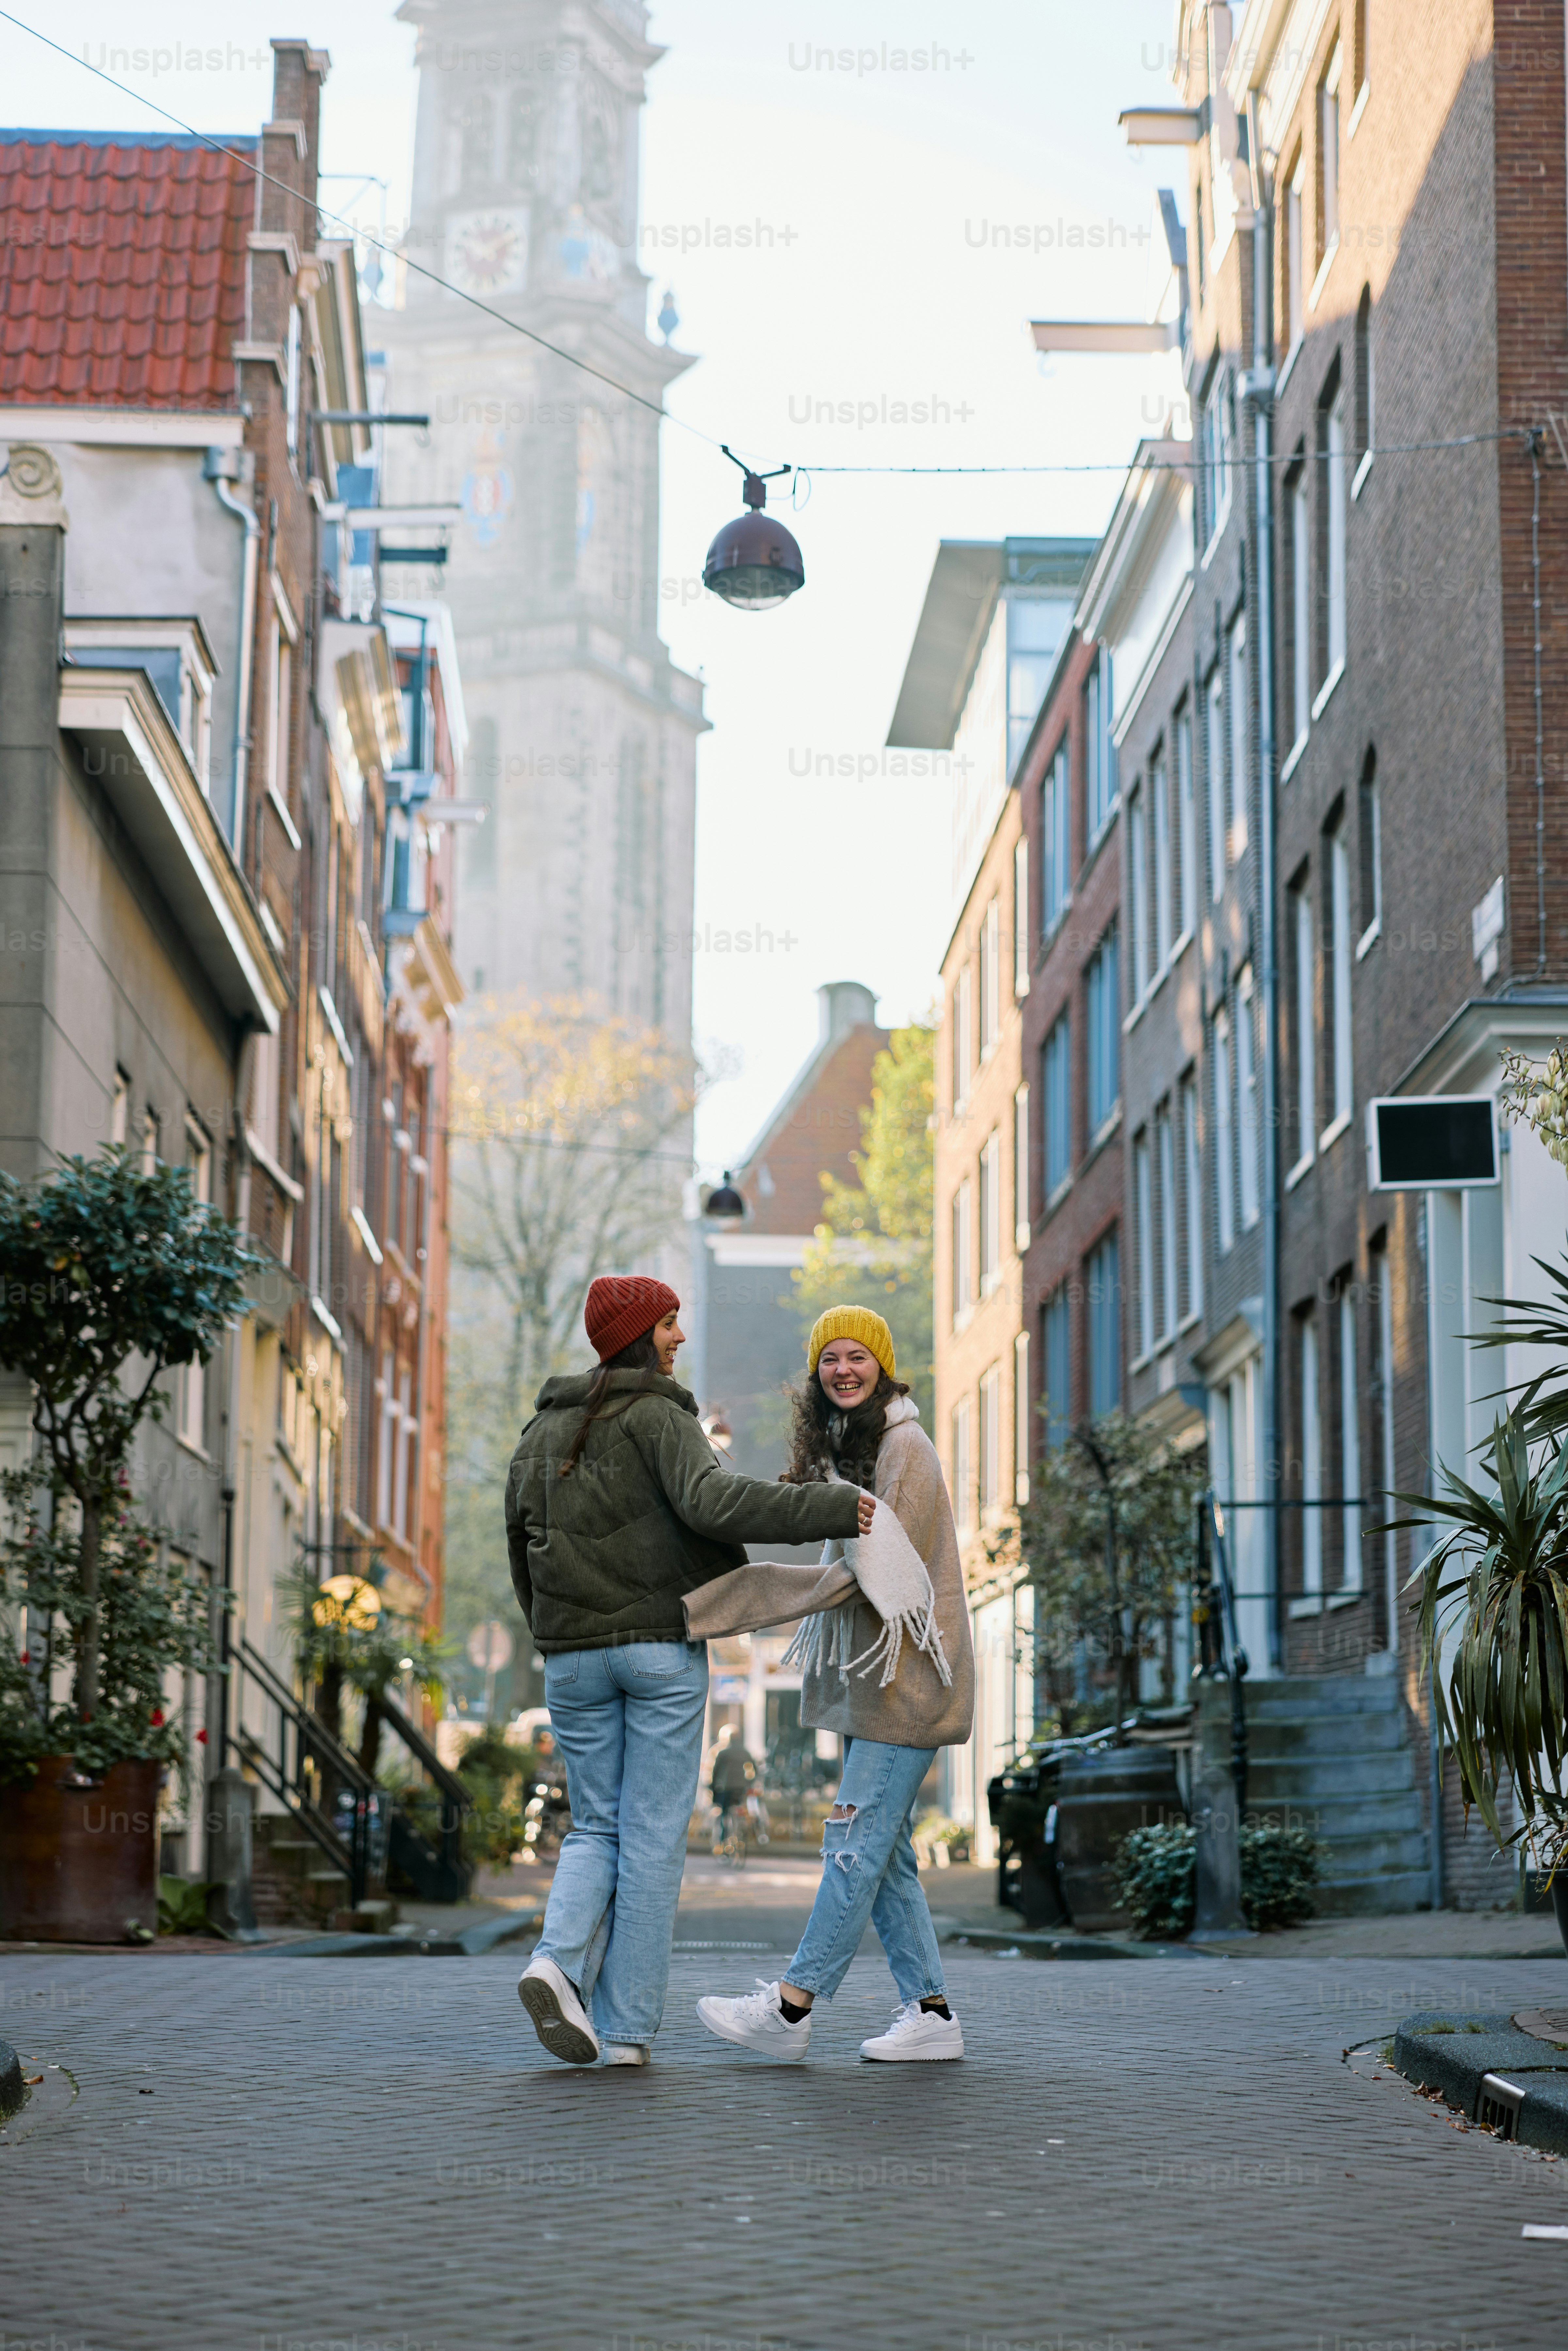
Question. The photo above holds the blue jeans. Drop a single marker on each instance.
(629, 1724)
(869, 1871)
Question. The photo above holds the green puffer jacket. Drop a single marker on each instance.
(604, 1555)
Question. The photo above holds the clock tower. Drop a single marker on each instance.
(583, 733)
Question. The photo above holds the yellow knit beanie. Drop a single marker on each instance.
(852, 1322)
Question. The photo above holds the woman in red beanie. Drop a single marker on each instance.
(617, 1506)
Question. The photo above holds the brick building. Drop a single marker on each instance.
(234, 827)
(990, 634)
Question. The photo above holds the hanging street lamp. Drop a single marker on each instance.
(754, 562)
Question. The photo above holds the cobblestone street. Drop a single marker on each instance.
(374, 2154)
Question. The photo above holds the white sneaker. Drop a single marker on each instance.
(558, 2016)
(625, 2053)
(917, 2034)
(756, 2020)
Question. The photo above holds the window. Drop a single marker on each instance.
(1102, 991)
(990, 975)
(1197, 239)
(1056, 1348)
(265, 1102)
(1056, 1091)
(1365, 385)
(1358, 45)
(280, 705)
(1020, 1169)
(963, 1036)
(401, 1477)
(962, 1290)
(1192, 1185)
(1100, 756)
(1166, 1217)
(1144, 1209)
(1186, 825)
(149, 1142)
(1294, 304)
(291, 383)
(1380, 1394)
(1054, 842)
(1349, 1438)
(1023, 1422)
(1370, 845)
(1304, 990)
(990, 1439)
(387, 1393)
(1237, 665)
(1301, 601)
(1020, 916)
(1160, 806)
(990, 1212)
(963, 1491)
(1223, 1194)
(193, 1389)
(1311, 1467)
(1331, 648)
(1104, 1286)
(119, 1108)
(1215, 439)
(1138, 891)
(1328, 157)
(1339, 946)
(1214, 705)
(1249, 1122)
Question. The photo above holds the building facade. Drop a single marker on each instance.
(240, 950)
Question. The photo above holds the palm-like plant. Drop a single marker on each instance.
(1499, 1578)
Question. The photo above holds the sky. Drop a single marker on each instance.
(877, 274)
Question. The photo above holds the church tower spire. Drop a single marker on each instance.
(583, 733)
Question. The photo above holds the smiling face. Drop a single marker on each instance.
(849, 1373)
(667, 1335)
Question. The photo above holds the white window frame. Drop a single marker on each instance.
(1186, 826)
(962, 1037)
(1236, 681)
(990, 976)
(1138, 891)
(1160, 809)
(1214, 712)
(1248, 1120)
(1192, 1170)
(990, 1463)
(962, 1212)
(1349, 1446)
(192, 1417)
(1295, 260)
(1301, 610)
(1165, 1171)
(990, 1197)
(963, 1481)
(1023, 1420)
(120, 1107)
(1304, 948)
(1336, 584)
(1020, 1168)
(1144, 1209)
(1312, 1598)
(1342, 962)
(1329, 155)
(1224, 1171)
(1020, 916)
(1370, 813)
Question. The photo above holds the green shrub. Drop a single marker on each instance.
(1156, 1873)
(183, 1905)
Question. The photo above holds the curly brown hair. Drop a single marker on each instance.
(825, 1442)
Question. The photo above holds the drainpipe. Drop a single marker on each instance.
(222, 467)
(1258, 389)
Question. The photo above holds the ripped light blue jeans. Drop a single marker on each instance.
(869, 1873)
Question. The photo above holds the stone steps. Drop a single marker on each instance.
(1333, 1753)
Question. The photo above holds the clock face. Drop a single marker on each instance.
(487, 252)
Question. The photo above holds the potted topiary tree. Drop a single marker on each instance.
(114, 1275)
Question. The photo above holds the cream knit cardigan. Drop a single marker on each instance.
(924, 1693)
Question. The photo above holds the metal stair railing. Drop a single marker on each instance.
(456, 1799)
(285, 1773)
(1223, 1659)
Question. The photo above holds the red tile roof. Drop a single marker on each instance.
(123, 268)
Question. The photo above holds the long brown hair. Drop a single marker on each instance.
(642, 1356)
(825, 1441)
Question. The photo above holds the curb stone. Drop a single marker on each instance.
(13, 2089)
(1450, 2049)
(1060, 1947)
(472, 1944)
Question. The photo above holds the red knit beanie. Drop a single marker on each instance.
(621, 1307)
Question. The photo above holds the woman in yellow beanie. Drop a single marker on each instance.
(856, 1420)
